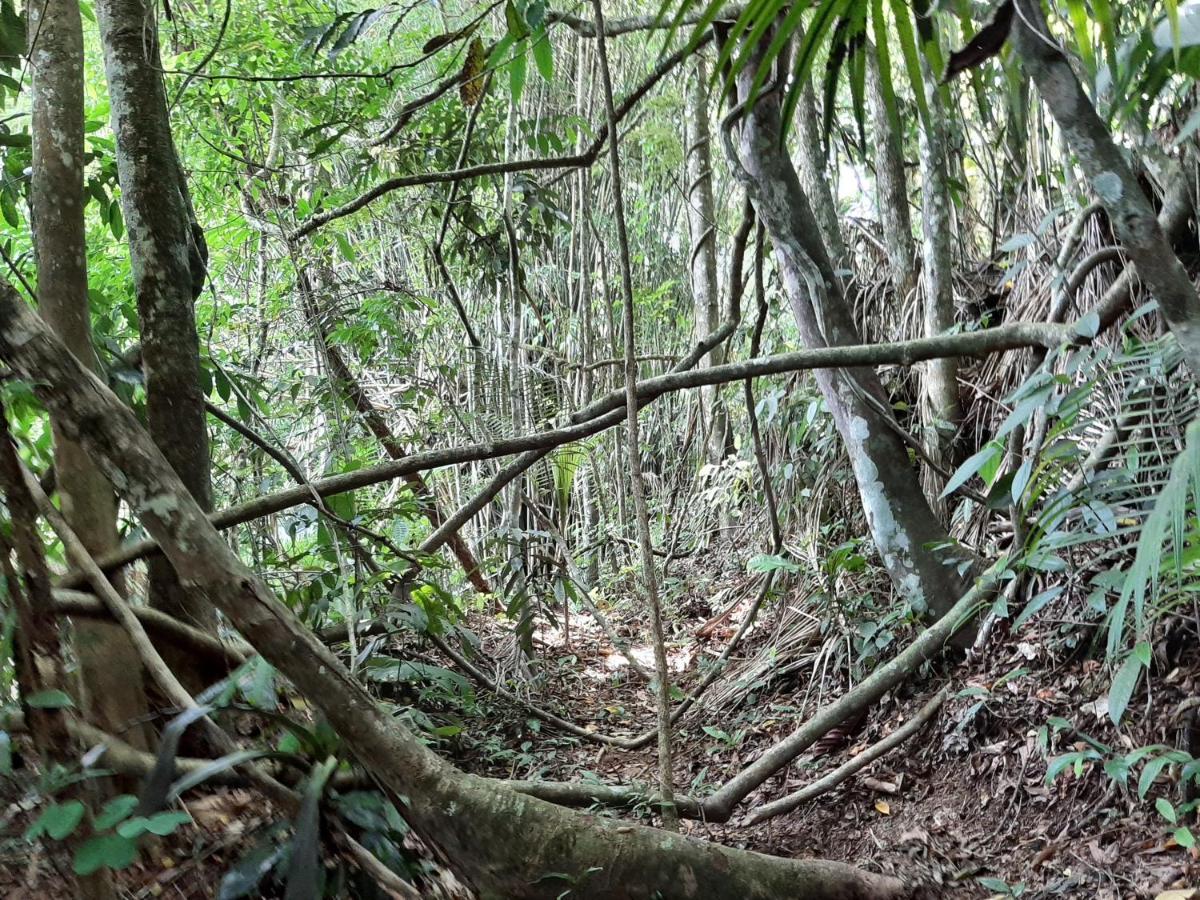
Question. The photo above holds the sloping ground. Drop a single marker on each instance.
(965, 805)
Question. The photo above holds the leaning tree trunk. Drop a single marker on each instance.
(167, 253)
(703, 225)
(1104, 165)
(923, 561)
(509, 845)
(112, 693)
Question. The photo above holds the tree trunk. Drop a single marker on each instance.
(168, 256)
(918, 553)
(703, 226)
(38, 660)
(891, 183)
(112, 693)
(509, 845)
(666, 778)
(941, 410)
(815, 177)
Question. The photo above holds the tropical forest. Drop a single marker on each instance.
(575, 449)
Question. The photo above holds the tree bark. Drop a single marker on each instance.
(110, 686)
(662, 673)
(815, 178)
(923, 561)
(509, 845)
(891, 184)
(39, 657)
(703, 261)
(941, 409)
(167, 255)
(597, 417)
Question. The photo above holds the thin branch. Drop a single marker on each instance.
(573, 161)
(599, 416)
(844, 771)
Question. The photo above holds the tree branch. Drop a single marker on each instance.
(1019, 335)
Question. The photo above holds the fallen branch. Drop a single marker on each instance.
(896, 671)
(844, 771)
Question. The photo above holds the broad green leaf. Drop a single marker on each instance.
(517, 67)
(305, 876)
(160, 824)
(1166, 810)
(49, 699)
(108, 851)
(1150, 773)
(767, 563)
(57, 821)
(543, 54)
(114, 811)
(1021, 480)
(971, 467)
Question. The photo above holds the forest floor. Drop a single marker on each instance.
(963, 806)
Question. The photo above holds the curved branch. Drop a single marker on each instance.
(572, 161)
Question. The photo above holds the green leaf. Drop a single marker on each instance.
(161, 824)
(1142, 652)
(1150, 773)
(543, 54)
(912, 59)
(1021, 480)
(108, 851)
(1089, 325)
(517, 28)
(217, 766)
(348, 252)
(517, 67)
(1123, 685)
(1080, 20)
(767, 563)
(1017, 242)
(114, 811)
(1184, 838)
(244, 877)
(57, 821)
(999, 885)
(304, 876)
(1035, 605)
(1166, 810)
(49, 699)
(971, 467)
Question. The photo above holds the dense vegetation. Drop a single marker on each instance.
(481, 449)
